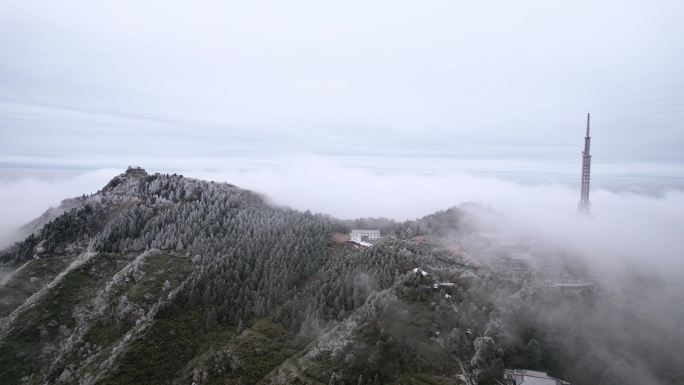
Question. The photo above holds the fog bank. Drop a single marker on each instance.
(642, 229)
(24, 199)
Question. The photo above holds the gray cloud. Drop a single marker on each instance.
(483, 80)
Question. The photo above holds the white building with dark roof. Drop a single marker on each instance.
(364, 235)
(530, 377)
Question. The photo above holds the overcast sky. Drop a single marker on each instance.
(470, 85)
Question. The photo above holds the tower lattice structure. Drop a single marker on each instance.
(584, 203)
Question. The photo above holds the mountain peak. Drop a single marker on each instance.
(131, 173)
(135, 171)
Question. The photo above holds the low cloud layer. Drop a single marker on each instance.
(24, 199)
(644, 230)
(622, 226)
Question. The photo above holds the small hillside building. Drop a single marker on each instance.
(530, 377)
(577, 287)
(364, 235)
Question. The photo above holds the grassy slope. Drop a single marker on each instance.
(32, 343)
(30, 278)
(180, 342)
(396, 346)
(179, 345)
(29, 345)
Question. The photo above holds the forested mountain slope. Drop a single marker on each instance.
(161, 279)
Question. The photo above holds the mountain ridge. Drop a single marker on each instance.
(162, 279)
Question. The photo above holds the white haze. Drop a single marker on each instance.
(85, 82)
(25, 199)
(624, 228)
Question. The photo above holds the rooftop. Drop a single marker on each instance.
(365, 231)
(362, 243)
(574, 284)
(532, 377)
